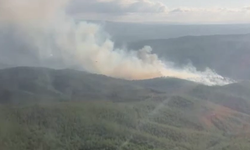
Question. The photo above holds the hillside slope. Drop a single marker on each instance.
(178, 123)
(226, 54)
(50, 109)
(28, 84)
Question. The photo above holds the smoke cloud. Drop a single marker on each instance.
(24, 12)
(40, 33)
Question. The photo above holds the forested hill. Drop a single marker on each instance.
(41, 84)
(228, 55)
(49, 109)
(31, 84)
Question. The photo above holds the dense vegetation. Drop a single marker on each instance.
(179, 124)
(45, 109)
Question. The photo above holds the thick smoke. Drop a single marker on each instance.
(40, 33)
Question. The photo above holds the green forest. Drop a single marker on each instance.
(92, 112)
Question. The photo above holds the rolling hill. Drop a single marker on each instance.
(228, 55)
(47, 109)
(31, 83)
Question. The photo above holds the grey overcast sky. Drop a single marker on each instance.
(206, 3)
(164, 11)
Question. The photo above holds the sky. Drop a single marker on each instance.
(206, 3)
(163, 11)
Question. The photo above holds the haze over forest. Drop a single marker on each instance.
(124, 75)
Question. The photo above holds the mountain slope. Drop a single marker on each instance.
(128, 126)
(226, 54)
(25, 83)
(69, 109)
(29, 84)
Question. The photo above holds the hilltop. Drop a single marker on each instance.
(44, 108)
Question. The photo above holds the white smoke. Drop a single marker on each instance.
(54, 36)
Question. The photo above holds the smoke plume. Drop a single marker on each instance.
(41, 33)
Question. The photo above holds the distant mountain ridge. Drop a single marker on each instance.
(228, 55)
